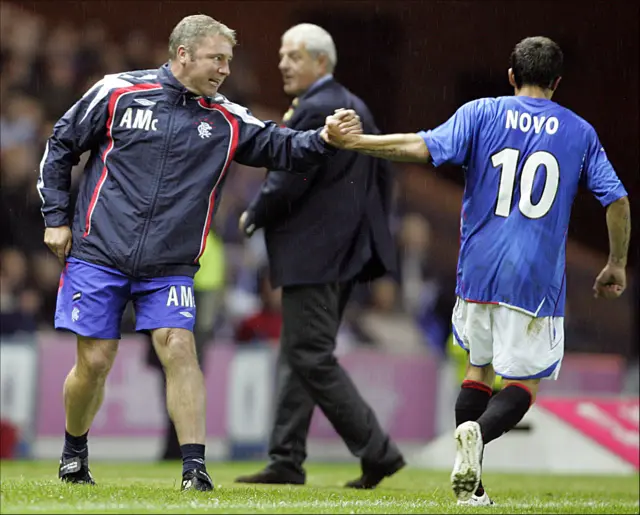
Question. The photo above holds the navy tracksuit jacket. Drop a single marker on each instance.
(159, 158)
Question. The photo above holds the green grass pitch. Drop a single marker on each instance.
(32, 487)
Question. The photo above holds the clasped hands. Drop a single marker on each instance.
(342, 128)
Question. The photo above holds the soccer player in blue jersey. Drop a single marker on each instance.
(524, 157)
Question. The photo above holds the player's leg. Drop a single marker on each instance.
(526, 350)
(472, 331)
(473, 398)
(90, 303)
(165, 307)
(507, 408)
(475, 392)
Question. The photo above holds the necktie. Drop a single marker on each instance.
(287, 116)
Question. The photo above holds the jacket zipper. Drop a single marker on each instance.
(156, 188)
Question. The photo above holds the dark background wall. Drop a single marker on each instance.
(416, 62)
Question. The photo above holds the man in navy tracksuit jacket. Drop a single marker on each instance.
(161, 143)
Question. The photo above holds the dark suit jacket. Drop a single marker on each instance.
(331, 223)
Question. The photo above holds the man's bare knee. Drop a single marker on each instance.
(175, 347)
(95, 358)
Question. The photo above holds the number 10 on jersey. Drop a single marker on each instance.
(507, 160)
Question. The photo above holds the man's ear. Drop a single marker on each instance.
(182, 54)
(323, 60)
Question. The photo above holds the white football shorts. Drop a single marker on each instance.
(518, 345)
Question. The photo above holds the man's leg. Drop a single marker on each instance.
(83, 393)
(309, 345)
(294, 409)
(171, 450)
(83, 390)
(165, 307)
(91, 301)
(473, 398)
(185, 383)
(288, 440)
(185, 401)
(472, 332)
(207, 303)
(526, 350)
(522, 346)
(507, 408)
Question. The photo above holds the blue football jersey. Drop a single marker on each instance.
(523, 158)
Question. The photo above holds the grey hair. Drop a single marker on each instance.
(316, 40)
(192, 28)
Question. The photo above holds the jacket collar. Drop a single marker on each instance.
(320, 83)
(174, 88)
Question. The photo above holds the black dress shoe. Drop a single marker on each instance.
(272, 477)
(372, 477)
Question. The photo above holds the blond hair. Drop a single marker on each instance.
(192, 28)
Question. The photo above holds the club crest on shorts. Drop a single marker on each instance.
(75, 314)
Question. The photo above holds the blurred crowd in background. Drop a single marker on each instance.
(44, 69)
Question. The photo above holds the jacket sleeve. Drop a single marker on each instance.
(267, 145)
(81, 128)
(281, 190)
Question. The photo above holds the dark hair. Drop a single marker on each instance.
(536, 61)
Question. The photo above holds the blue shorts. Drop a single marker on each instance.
(92, 300)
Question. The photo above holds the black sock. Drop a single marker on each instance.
(471, 403)
(504, 411)
(192, 457)
(75, 446)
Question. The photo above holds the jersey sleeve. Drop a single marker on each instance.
(451, 141)
(599, 175)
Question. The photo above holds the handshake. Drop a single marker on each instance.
(342, 129)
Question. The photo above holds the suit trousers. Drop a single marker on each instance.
(309, 374)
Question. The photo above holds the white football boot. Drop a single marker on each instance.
(477, 500)
(467, 469)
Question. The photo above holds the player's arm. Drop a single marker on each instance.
(612, 280)
(394, 147)
(619, 227)
(79, 129)
(447, 143)
(602, 180)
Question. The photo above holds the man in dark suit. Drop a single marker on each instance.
(325, 231)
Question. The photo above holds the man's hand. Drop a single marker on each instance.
(58, 239)
(242, 225)
(342, 128)
(611, 282)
